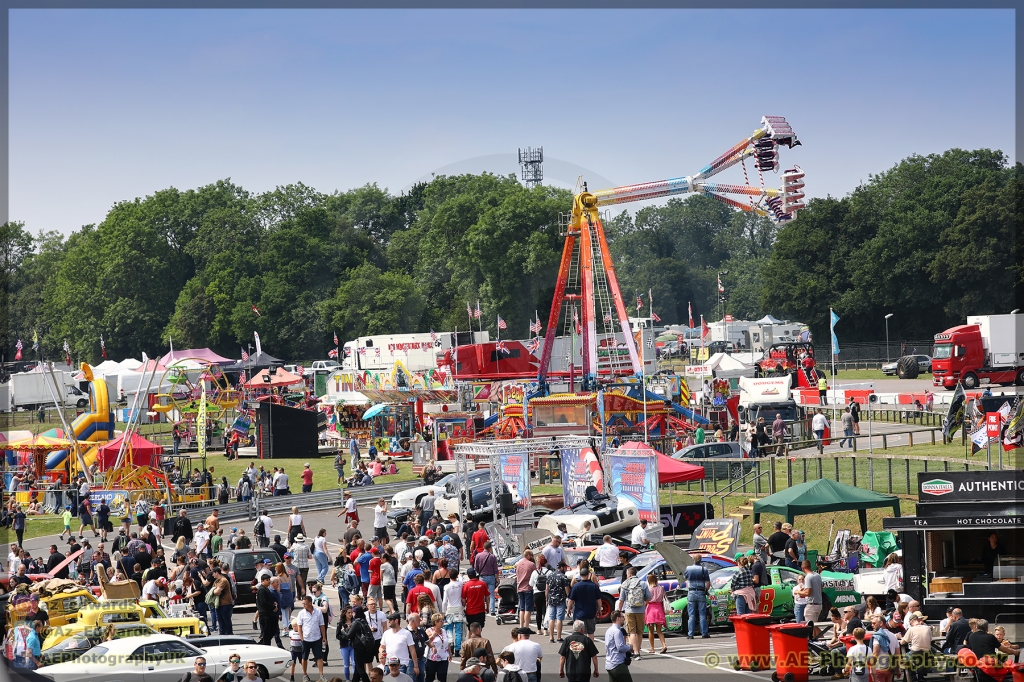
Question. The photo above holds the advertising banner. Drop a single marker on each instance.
(683, 519)
(635, 477)
(970, 486)
(716, 536)
(515, 474)
(117, 500)
(581, 469)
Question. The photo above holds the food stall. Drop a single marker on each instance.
(950, 557)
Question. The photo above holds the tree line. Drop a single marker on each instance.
(931, 240)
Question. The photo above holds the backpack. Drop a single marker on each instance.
(512, 676)
(542, 580)
(351, 581)
(635, 593)
(259, 528)
(364, 640)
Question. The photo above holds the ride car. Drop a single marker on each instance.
(409, 498)
(162, 658)
(606, 514)
(924, 363)
(775, 599)
(112, 611)
(708, 452)
(242, 565)
(77, 644)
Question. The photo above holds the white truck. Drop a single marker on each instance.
(418, 352)
(767, 397)
(32, 390)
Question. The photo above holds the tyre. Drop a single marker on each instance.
(788, 677)
(970, 380)
(775, 677)
(82, 403)
(604, 609)
(736, 471)
(1020, 377)
(907, 368)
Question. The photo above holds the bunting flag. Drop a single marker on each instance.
(362, 351)
(376, 352)
(477, 313)
(333, 353)
(17, 346)
(705, 331)
(639, 302)
(256, 310)
(533, 345)
(501, 323)
(103, 347)
(35, 341)
(979, 438)
(689, 306)
(832, 327)
(245, 356)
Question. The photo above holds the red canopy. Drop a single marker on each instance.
(669, 470)
(143, 452)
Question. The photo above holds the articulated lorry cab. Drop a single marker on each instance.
(988, 349)
(767, 397)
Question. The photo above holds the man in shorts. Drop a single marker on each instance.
(310, 624)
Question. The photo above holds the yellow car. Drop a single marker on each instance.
(62, 608)
(102, 614)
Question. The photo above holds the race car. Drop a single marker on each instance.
(776, 599)
(572, 557)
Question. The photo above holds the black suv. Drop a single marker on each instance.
(242, 564)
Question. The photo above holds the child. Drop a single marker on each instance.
(66, 516)
(295, 638)
(857, 658)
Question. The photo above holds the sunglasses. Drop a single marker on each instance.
(201, 665)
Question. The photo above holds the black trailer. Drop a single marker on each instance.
(948, 553)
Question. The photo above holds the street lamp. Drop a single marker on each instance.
(887, 336)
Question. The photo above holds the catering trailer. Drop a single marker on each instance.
(965, 546)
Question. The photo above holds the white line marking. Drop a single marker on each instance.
(720, 667)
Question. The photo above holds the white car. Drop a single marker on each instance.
(161, 658)
(410, 497)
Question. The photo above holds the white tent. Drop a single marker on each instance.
(130, 364)
(768, 319)
(106, 367)
(725, 366)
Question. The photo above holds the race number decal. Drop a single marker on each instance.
(767, 601)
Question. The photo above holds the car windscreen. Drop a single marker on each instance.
(722, 578)
(247, 562)
(644, 559)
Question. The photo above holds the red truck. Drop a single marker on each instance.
(989, 348)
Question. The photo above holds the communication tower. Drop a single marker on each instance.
(532, 161)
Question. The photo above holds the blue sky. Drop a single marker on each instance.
(107, 105)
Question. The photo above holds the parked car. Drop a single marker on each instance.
(924, 363)
(480, 494)
(203, 641)
(712, 451)
(242, 565)
(324, 365)
(721, 347)
(162, 658)
(410, 497)
(73, 647)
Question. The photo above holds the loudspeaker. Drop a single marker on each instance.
(873, 398)
(506, 505)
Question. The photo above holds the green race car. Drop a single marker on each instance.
(776, 599)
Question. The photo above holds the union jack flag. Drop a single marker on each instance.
(433, 336)
(533, 345)
(362, 351)
(245, 356)
(333, 353)
(502, 348)
(376, 352)
(477, 313)
(501, 323)
(17, 356)
(535, 327)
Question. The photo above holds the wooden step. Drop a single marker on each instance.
(738, 516)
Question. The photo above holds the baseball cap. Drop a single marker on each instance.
(471, 661)
(447, 538)
(738, 555)
(393, 660)
(471, 573)
(287, 555)
(234, 528)
(429, 533)
(375, 550)
(525, 631)
(480, 653)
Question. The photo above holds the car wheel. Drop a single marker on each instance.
(1020, 377)
(736, 471)
(970, 380)
(604, 609)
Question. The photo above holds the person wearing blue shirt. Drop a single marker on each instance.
(697, 583)
(364, 570)
(27, 649)
(617, 650)
(410, 577)
(582, 601)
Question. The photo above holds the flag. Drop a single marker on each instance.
(336, 339)
(502, 348)
(533, 345)
(639, 302)
(476, 313)
(433, 336)
(256, 310)
(259, 346)
(721, 289)
(469, 310)
(650, 340)
(689, 306)
(300, 370)
(376, 352)
(654, 316)
(333, 353)
(979, 438)
(608, 317)
(832, 327)
(501, 323)
(245, 356)
(67, 352)
(201, 422)
(705, 331)
(576, 322)
(35, 341)
(17, 355)
(955, 416)
(241, 377)
(535, 326)
(103, 348)
(362, 351)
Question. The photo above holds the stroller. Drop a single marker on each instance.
(508, 604)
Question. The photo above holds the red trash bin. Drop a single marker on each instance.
(753, 642)
(1018, 672)
(792, 655)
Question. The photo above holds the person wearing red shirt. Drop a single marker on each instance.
(360, 548)
(475, 593)
(375, 591)
(307, 479)
(415, 592)
(478, 540)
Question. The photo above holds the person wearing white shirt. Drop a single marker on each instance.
(607, 555)
(639, 536)
(434, 589)
(268, 526)
(527, 653)
(281, 482)
(202, 539)
(452, 600)
(397, 642)
(310, 622)
(380, 520)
